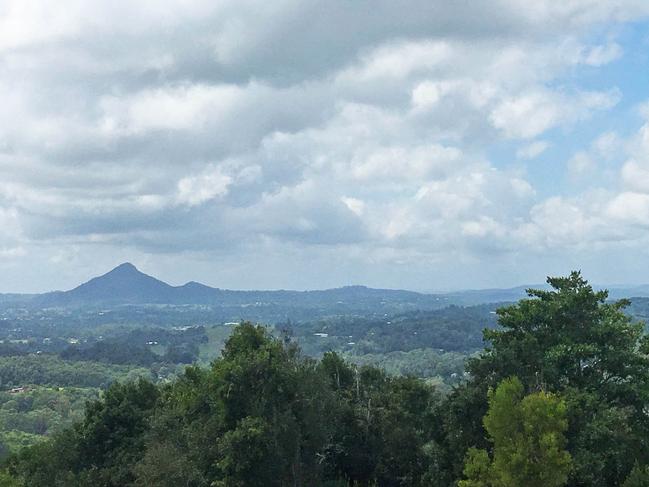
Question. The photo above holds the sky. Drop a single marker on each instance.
(426, 145)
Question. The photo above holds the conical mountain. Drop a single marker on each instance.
(125, 284)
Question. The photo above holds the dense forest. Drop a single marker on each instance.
(558, 397)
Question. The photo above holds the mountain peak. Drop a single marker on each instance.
(124, 284)
(125, 267)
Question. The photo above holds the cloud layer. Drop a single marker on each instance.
(309, 144)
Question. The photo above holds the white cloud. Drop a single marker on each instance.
(630, 208)
(604, 54)
(399, 61)
(607, 145)
(24, 23)
(559, 222)
(355, 205)
(635, 175)
(521, 187)
(482, 228)
(580, 163)
(196, 190)
(171, 108)
(635, 171)
(398, 163)
(529, 115)
(532, 150)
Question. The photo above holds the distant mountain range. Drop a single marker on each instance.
(126, 285)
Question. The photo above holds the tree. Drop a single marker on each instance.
(166, 465)
(261, 381)
(527, 433)
(567, 337)
(249, 456)
(568, 340)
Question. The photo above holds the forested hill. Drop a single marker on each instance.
(559, 398)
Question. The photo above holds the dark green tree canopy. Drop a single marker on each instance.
(568, 337)
(569, 340)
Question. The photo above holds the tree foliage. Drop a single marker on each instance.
(262, 414)
(527, 434)
(572, 342)
(639, 477)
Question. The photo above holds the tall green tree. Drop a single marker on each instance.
(570, 336)
(571, 340)
(527, 434)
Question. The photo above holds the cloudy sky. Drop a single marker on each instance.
(425, 144)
